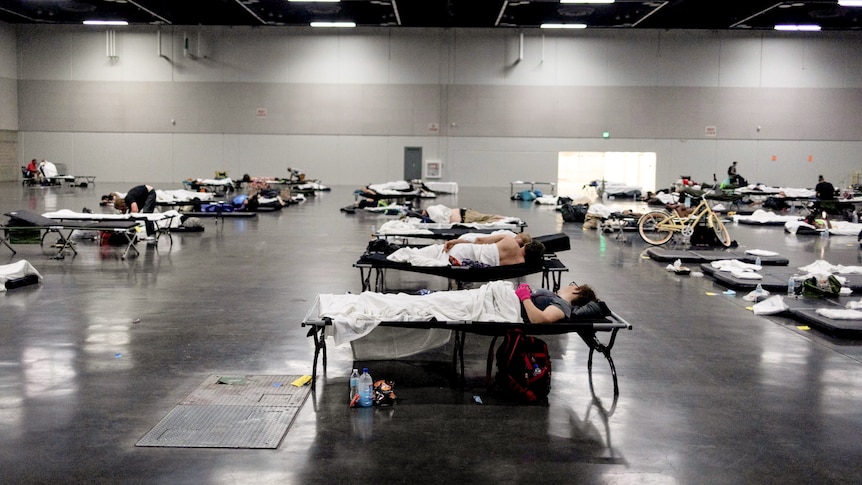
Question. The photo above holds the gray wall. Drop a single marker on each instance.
(343, 105)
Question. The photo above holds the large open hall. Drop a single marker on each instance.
(607, 242)
(103, 348)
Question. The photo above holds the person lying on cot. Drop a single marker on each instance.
(818, 221)
(545, 306)
(522, 237)
(497, 250)
(446, 215)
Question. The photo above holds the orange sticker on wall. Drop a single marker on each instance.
(810, 158)
(774, 158)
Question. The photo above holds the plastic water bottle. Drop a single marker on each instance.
(536, 369)
(354, 385)
(757, 261)
(366, 389)
(791, 286)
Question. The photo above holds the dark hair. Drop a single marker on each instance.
(585, 295)
(533, 252)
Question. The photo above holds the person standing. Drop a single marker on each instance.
(824, 190)
(825, 193)
(139, 199)
(732, 175)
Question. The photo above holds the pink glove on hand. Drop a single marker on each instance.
(523, 292)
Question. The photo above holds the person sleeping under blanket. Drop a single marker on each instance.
(356, 315)
(492, 250)
(443, 215)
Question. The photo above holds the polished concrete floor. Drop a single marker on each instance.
(104, 348)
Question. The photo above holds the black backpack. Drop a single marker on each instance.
(574, 213)
(523, 367)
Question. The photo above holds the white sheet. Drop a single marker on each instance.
(412, 225)
(69, 214)
(224, 181)
(402, 226)
(738, 269)
(182, 195)
(839, 313)
(18, 269)
(426, 256)
(763, 216)
(821, 266)
(354, 316)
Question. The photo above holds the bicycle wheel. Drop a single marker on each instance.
(720, 230)
(650, 229)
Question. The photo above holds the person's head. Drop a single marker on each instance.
(577, 295)
(734, 162)
(523, 238)
(119, 202)
(533, 252)
(820, 178)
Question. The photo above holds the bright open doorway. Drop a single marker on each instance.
(576, 171)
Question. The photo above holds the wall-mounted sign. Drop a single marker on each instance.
(711, 131)
(261, 112)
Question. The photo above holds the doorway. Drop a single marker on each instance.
(579, 174)
(412, 163)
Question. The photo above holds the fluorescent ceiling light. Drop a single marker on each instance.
(333, 24)
(850, 3)
(798, 28)
(586, 1)
(563, 26)
(314, 1)
(105, 22)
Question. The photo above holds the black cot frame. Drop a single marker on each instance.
(586, 328)
(372, 272)
(127, 227)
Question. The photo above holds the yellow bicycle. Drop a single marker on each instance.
(658, 227)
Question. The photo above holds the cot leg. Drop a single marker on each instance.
(458, 357)
(67, 243)
(131, 239)
(5, 242)
(364, 279)
(552, 277)
(380, 280)
(318, 334)
(594, 344)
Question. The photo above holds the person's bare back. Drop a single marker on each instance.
(510, 251)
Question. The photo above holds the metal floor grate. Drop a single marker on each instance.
(231, 412)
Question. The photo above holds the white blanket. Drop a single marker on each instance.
(181, 195)
(764, 217)
(18, 269)
(739, 269)
(825, 267)
(354, 316)
(839, 313)
(432, 255)
(69, 214)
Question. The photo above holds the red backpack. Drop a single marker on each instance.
(523, 367)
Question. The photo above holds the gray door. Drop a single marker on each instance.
(412, 163)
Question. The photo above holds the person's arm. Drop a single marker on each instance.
(490, 239)
(133, 207)
(551, 314)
